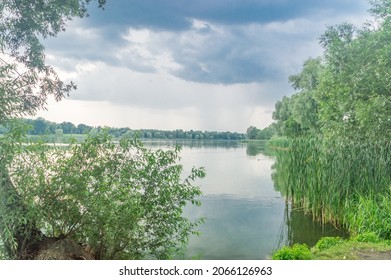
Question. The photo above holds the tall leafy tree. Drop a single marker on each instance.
(286, 123)
(346, 93)
(354, 94)
(26, 81)
(304, 105)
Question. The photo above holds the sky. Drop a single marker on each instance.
(188, 64)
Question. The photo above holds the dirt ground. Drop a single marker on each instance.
(373, 255)
(63, 249)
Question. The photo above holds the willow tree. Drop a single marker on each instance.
(26, 81)
(346, 92)
(120, 201)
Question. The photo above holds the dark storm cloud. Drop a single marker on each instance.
(231, 45)
(226, 58)
(205, 64)
(174, 14)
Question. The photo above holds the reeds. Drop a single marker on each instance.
(326, 178)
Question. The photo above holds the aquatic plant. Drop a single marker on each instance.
(332, 178)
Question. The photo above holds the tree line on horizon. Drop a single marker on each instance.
(40, 126)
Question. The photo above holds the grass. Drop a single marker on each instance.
(332, 248)
(370, 214)
(355, 250)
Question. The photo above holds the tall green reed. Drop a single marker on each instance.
(326, 178)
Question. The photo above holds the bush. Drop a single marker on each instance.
(327, 242)
(296, 252)
(122, 199)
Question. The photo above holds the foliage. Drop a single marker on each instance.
(25, 80)
(354, 92)
(12, 219)
(123, 200)
(367, 237)
(335, 161)
(25, 84)
(296, 252)
(381, 9)
(261, 134)
(327, 178)
(327, 242)
(370, 215)
(41, 126)
(298, 115)
(346, 92)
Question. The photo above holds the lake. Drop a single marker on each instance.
(246, 217)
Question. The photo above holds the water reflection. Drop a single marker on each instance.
(299, 227)
(254, 148)
(247, 216)
(236, 228)
(205, 144)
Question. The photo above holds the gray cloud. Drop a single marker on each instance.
(174, 14)
(226, 62)
(233, 42)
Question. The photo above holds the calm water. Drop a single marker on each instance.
(246, 217)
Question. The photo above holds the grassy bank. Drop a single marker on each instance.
(362, 247)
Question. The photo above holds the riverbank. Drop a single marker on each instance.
(354, 250)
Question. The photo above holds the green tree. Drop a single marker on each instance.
(346, 93)
(83, 129)
(286, 124)
(252, 132)
(309, 77)
(298, 114)
(68, 127)
(25, 83)
(354, 94)
(3, 130)
(260, 134)
(266, 133)
(39, 126)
